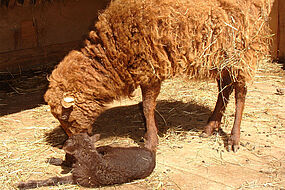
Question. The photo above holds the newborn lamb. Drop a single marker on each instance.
(105, 165)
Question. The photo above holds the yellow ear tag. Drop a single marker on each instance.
(67, 102)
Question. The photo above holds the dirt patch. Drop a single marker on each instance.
(184, 160)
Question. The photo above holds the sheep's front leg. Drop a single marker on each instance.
(240, 94)
(149, 95)
(225, 89)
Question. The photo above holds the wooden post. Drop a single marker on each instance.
(274, 27)
(277, 25)
(281, 30)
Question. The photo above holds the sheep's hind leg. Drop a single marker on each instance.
(149, 95)
(225, 86)
(240, 94)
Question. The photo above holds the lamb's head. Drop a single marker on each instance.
(79, 142)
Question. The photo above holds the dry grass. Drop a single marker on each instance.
(184, 160)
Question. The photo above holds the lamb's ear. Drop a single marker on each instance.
(69, 147)
(95, 138)
(70, 150)
(67, 101)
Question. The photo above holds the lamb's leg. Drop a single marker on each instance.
(225, 86)
(48, 182)
(55, 161)
(240, 94)
(69, 160)
(149, 95)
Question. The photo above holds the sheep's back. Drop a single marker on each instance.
(160, 39)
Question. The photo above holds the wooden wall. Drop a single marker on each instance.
(278, 29)
(39, 32)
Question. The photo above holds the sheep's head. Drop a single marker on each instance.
(73, 117)
(71, 93)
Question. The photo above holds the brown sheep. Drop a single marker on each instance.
(141, 43)
(95, 167)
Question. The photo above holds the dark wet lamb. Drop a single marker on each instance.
(105, 165)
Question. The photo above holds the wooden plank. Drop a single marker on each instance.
(16, 61)
(19, 4)
(11, 3)
(33, 35)
(28, 37)
(38, 2)
(26, 3)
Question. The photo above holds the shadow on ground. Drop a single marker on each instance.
(23, 91)
(20, 102)
(128, 121)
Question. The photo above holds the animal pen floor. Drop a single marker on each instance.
(29, 135)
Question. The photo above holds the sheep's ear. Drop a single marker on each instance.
(67, 102)
(95, 138)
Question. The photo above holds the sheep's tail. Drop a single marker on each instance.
(48, 182)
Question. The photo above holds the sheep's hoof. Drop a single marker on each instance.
(233, 144)
(151, 144)
(210, 128)
(233, 147)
